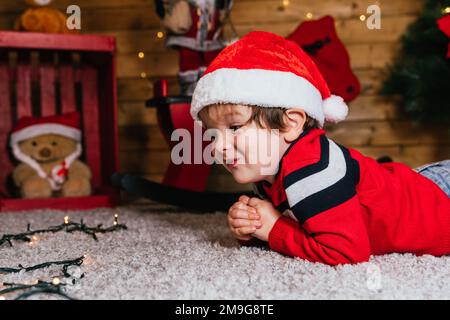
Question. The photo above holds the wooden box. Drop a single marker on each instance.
(48, 74)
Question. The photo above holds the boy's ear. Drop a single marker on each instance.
(295, 120)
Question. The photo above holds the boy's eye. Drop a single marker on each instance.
(235, 128)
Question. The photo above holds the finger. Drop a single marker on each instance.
(245, 238)
(243, 214)
(244, 231)
(241, 206)
(254, 202)
(239, 223)
(244, 199)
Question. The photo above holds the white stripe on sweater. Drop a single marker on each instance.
(321, 180)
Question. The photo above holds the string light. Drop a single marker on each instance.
(362, 17)
(446, 10)
(56, 281)
(143, 75)
(66, 226)
(160, 34)
(141, 55)
(116, 219)
(309, 15)
(66, 220)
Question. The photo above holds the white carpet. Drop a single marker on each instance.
(170, 254)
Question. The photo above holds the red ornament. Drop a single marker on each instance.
(319, 40)
(444, 26)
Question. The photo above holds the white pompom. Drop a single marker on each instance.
(335, 109)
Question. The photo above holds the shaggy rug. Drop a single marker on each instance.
(170, 254)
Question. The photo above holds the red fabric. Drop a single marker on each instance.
(193, 60)
(280, 55)
(319, 39)
(444, 26)
(71, 120)
(393, 209)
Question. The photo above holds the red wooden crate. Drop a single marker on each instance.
(48, 74)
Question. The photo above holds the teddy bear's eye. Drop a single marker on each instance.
(54, 143)
(34, 143)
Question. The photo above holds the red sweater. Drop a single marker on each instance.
(342, 206)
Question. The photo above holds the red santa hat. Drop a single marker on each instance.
(66, 125)
(266, 70)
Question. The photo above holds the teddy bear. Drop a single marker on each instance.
(42, 18)
(48, 149)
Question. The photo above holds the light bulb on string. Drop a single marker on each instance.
(66, 220)
(160, 34)
(141, 55)
(446, 10)
(362, 17)
(56, 281)
(309, 16)
(116, 219)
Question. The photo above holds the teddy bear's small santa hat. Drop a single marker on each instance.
(66, 125)
(266, 70)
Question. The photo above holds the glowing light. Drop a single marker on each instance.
(446, 10)
(66, 219)
(35, 238)
(56, 281)
(309, 15)
(362, 17)
(285, 3)
(141, 55)
(116, 219)
(160, 34)
(143, 75)
(2, 298)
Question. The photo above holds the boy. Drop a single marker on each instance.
(327, 203)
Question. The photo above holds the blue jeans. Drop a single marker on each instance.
(439, 173)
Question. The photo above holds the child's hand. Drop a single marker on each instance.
(242, 219)
(269, 215)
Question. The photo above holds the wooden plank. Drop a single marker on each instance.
(154, 65)
(135, 138)
(366, 108)
(5, 121)
(98, 17)
(67, 83)
(47, 83)
(17, 6)
(350, 31)
(387, 133)
(139, 89)
(268, 11)
(144, 162)
(47, 41)
(412, 156)
(91, 130)
(362, 56)
(23, 87)
(136, 114)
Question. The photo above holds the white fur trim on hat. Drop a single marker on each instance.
(46, 128)
(335, 109)
(264, 88)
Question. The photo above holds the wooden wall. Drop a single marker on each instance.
(375, 125)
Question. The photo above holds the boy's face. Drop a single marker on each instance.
(248, 152)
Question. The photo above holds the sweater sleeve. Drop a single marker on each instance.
(335, 236)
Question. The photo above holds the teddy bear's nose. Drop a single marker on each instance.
(45, 152)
